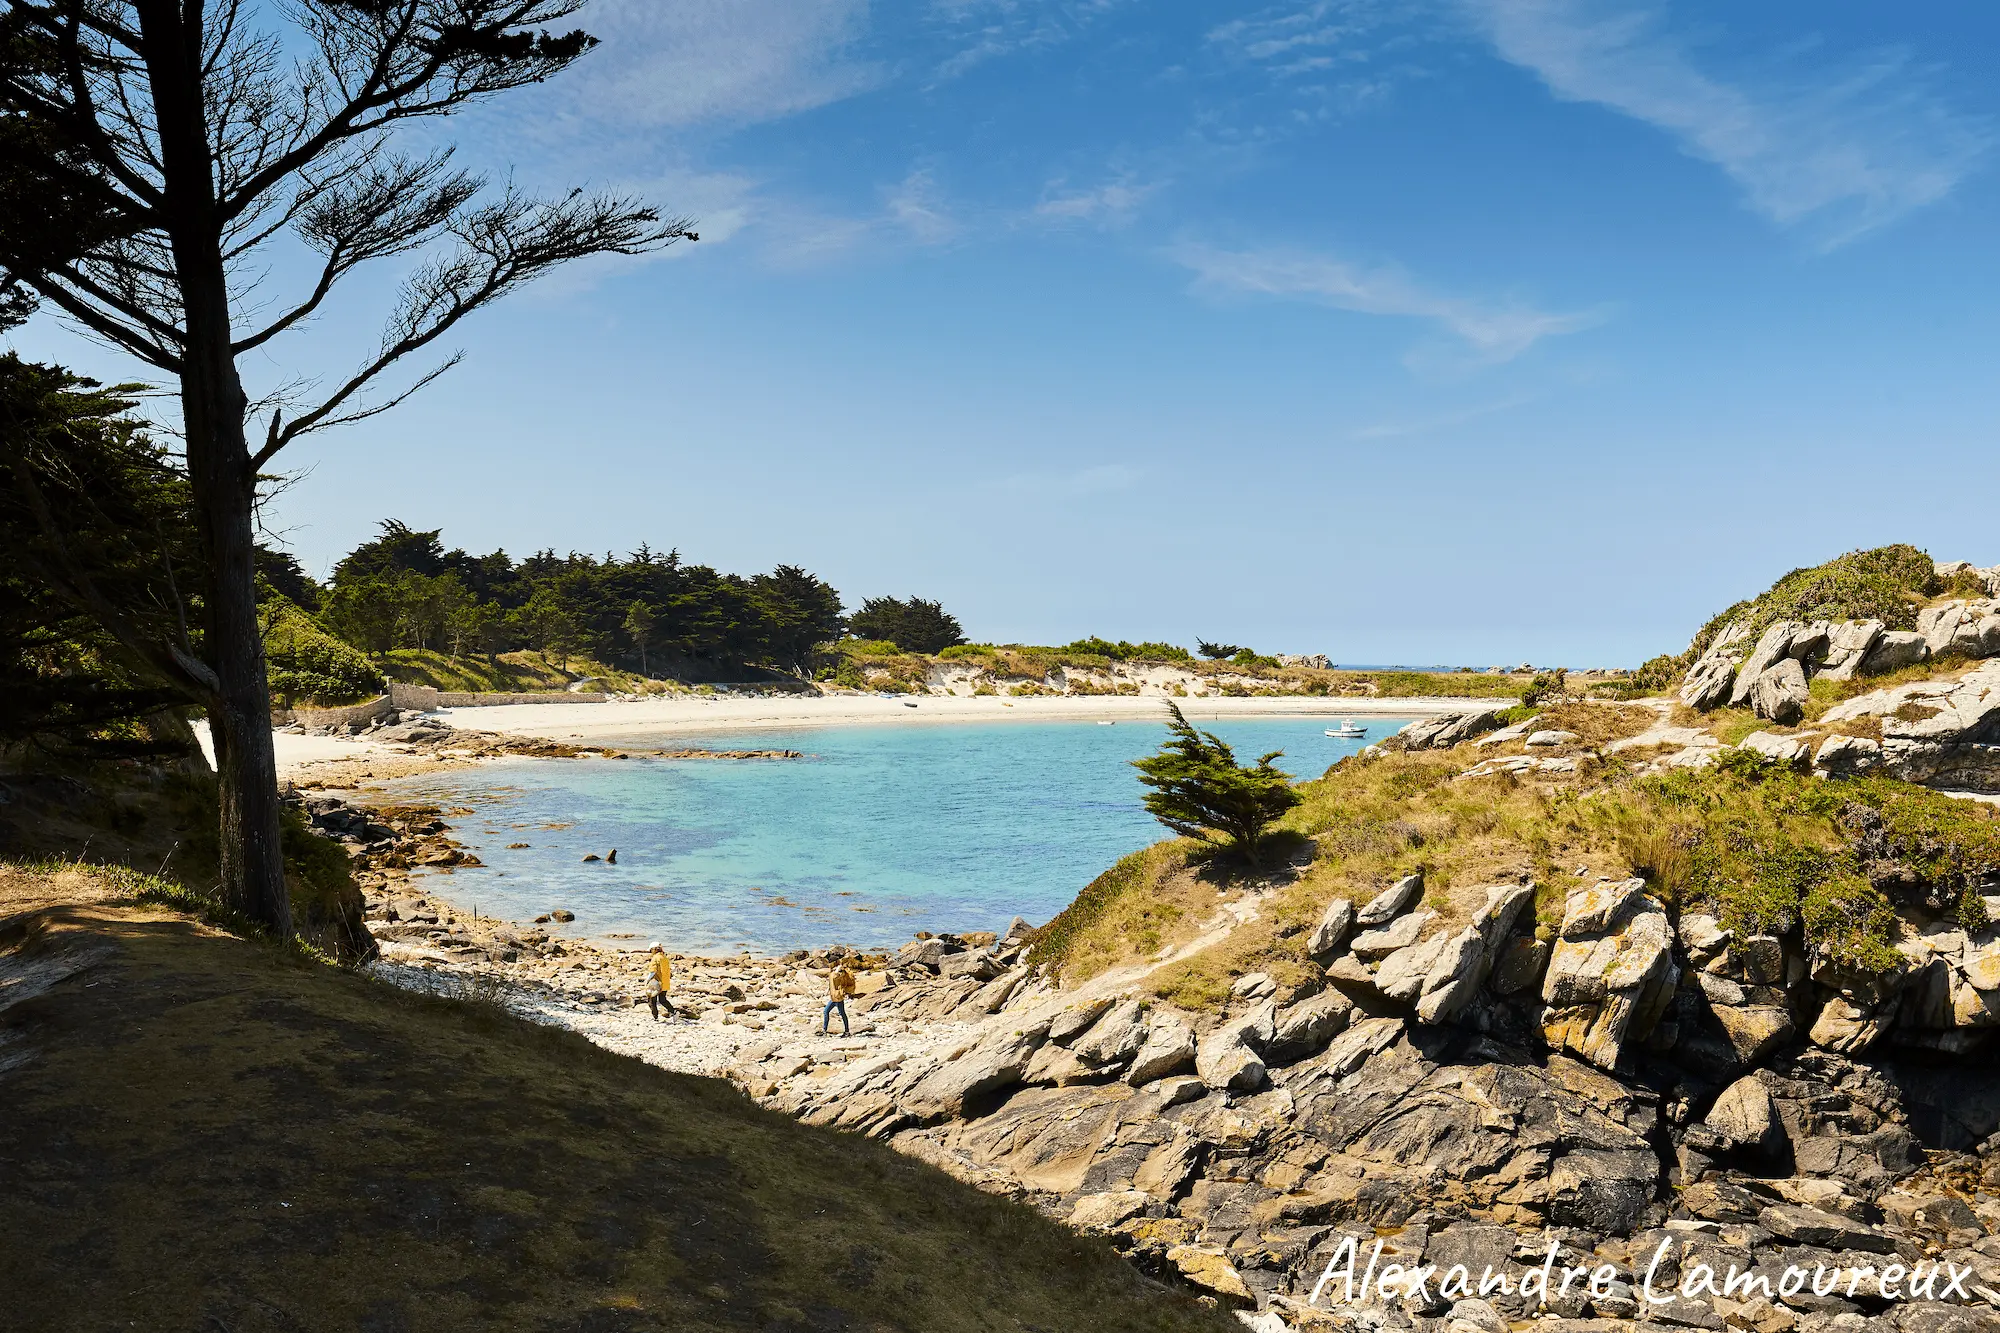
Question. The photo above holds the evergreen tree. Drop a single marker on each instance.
(1200, 791)
(639, 623)
(915, 626)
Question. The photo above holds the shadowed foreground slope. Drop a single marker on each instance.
(200, 1134)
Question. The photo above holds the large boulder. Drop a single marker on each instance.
(1710, 679)
(1333, 926)
(1776, 645)
(1447, 730)
(1894, 650)
(1304, 1028)
(1780, 693)
(1612, 973)
(1229, 1057)
(1398, 934)
(1169, 1049)
(1708, 683)
(1968, 628)
(1463, 965)
(1391, 902)
(1115, 1037)
(1745, 1117)
(1848, 647)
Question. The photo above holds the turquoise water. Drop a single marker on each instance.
(883, 831)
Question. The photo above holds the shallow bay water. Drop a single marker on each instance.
(881, 831)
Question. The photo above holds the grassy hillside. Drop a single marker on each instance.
(203, 1133)
(1768, 850)
(1888, 583)
(521, 672)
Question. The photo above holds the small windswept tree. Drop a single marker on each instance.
(1216, 651)
(1200, 791)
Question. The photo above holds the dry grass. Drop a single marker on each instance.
(202, 1134)
(1767, 849)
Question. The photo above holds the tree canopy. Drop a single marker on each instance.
(403, 589)
(915, 626)
(1200, 791)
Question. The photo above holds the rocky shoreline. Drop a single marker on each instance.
(1628, 1087)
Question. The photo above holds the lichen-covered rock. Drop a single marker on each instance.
(1464, 963)
(1745, 1116)
(1787, 750)
(1390, 903)
(1077, 1018)
(1113, 1038)
(1711, 678)
(1230, 1056)
(1844, 756)
(1784, 641)
(1447, 730)
(1169, 1049)
(1211, 1270)
(1780, 693)
(1398, 934)
(1305, 1028)
(1969, 628)
(1848, 647)
(1611, 975)
(1333, 926)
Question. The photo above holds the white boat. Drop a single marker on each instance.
(1347, 730)
(1107, 724)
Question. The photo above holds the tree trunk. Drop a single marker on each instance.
(213, 406)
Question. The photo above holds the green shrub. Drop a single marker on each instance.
(308, 665)
(1888, 583)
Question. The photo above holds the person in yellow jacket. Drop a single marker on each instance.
(660, 980)
(838, 988)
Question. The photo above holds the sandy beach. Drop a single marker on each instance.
(632, 722)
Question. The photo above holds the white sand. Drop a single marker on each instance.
(295, 751)
(666, 717)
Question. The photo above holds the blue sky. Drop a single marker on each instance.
(1458, 331)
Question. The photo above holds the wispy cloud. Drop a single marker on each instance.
(1840, 153)
(722, 61)
(914, 210)
(917, 206)
(1301, 40)
(1112, 204)
(986, 30)
(1492, 331)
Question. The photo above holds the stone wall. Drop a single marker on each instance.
(374, 710)
(425, 698)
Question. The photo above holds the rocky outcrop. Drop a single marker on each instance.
(1713, 675)
(1779, 694)
(1966, 628)
(1611, 974)
(1943, 732)
(1443, 732)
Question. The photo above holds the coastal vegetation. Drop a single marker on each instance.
(913, 625)
(1766, 849)
(1198, 790)
(404, 590)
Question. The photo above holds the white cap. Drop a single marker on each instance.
(654, 945)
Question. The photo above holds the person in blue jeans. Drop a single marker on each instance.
(838, 989)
